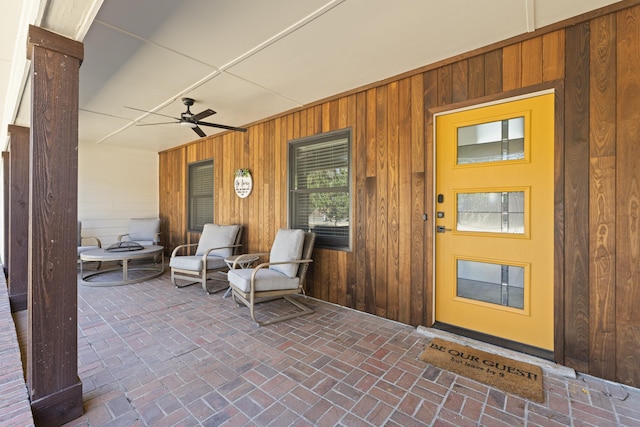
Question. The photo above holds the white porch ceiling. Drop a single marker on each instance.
(245, 59)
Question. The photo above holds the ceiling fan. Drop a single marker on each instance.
(190, 120)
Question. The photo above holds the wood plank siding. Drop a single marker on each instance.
(592, 62)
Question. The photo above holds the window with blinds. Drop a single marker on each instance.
(319, 187)
(200, 194)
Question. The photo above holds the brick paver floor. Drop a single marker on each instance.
(151, 354)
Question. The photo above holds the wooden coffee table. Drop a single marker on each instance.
(151, 270)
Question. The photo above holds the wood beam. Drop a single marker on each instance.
(18, 225)
(6, 170)
(52, 344)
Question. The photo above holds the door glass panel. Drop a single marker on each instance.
(491, 283)
(491, 142)
(491, 212)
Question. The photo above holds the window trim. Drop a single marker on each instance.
(345, 133)
(191, 165)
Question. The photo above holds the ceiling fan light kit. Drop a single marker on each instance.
(190, 120)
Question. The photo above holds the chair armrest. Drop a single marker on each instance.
(99, 243)
(208, 251)
(267, 264)
(119, 238)
(173, 253)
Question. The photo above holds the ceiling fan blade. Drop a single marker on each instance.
(151, 124)
(202, 114)
(151, 112)
(199, 131)
(215, 125)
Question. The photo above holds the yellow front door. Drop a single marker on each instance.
(494, 220)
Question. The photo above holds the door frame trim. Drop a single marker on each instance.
(557, 88)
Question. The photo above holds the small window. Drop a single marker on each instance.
(497, 141)
(200, 203)
(319, 187)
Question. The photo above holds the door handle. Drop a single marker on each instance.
(441, 229)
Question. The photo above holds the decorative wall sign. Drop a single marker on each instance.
(243, 183)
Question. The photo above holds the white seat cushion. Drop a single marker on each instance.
(266, 280)
(217, 236)
(194, 263)
(143, 229)
(287, 246)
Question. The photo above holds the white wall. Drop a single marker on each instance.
(114, 185)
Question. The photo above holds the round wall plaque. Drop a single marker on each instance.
(243, 183)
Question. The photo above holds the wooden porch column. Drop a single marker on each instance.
(52, 348)
(18, 226)
(5, 197)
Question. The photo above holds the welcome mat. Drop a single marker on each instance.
(512, 376)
